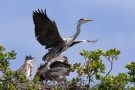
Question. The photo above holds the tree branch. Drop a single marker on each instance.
(111, 68)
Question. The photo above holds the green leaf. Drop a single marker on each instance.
(1, 55)
(84, 53)
(98, 76)
(12, 55)
(76, 65)
(2, 48)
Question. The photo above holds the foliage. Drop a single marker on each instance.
(131, 72)
(113, 82)
(7, 74)
(92, 74)
(93, 70)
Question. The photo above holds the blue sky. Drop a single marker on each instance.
(113, 25)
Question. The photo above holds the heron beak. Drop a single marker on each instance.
(35, 59)
(87, 20)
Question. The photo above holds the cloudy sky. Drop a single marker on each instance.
(113, 25)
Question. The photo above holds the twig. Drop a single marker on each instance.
(111, 65)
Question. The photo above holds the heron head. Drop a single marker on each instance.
(82, 20)
(30, 59)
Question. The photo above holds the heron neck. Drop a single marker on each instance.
(30, 64)
(78, 31)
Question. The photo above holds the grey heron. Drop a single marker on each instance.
(26, 68)
(59, 61)
(57, 72)
(47, 34)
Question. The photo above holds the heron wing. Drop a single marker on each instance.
(24, 69)
(75, 42)
(80, 41)
(46, 30)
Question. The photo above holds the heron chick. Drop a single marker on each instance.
(26, 68)
(54, 63)
(57, 72)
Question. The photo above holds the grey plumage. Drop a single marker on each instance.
(59, 64)
(57, 72)
(47, 34)
(83, 41)
(26, 68)
(59, 58)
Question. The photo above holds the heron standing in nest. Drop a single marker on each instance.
(44, 71)
(26, 68)
(57, 72)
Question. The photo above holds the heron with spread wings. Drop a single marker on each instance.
(47, 34)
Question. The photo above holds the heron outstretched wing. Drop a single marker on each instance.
(80, 41)
(46, 30)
